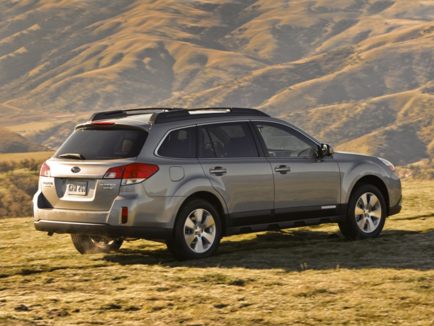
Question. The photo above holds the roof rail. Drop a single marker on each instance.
(187, 114)
(161, 115)
(127, 112)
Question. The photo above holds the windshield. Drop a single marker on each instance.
(102, 144)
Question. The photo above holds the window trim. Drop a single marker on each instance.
(261, 148)
(258, 145)
(291, 130)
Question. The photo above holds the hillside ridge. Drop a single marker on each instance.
(356, 73)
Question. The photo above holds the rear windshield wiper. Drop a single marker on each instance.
(73, 156)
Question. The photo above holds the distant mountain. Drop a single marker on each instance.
(11, 142)
(54, 136)
(356, 73)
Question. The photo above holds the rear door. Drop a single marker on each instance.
(304, 185)
(78, 167)
(230, 158)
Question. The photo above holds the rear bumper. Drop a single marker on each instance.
(144, 212)
(103, 229)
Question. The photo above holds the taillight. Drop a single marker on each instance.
(131, 173)
(45, 170)
(114, 173)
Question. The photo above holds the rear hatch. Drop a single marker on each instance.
(78, 171)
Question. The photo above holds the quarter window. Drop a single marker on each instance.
(227, 140)
(283, 142)
(180, 143)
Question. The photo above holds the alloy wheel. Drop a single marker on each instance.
(200, 230)
(368, 212)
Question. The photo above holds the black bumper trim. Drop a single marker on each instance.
(103, 229)
(283, 225)
(395, 209)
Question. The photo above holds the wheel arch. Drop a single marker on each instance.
(214, 200)
(375, 181)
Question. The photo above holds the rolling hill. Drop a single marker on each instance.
(356, 73)
(11, 142)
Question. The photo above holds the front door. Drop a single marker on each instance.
(305, 186)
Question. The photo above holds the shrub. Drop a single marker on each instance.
(17, 192)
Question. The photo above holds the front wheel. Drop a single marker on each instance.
(366, 214)
(92, 244)
(197, 231)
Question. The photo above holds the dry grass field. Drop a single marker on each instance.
(17, 157)
(298, 276)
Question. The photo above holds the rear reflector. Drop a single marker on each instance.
(124, 215)
(45, 170)
(132, 173)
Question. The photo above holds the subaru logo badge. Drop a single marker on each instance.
(75, 169)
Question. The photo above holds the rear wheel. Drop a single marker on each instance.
(92, 244)
(366, 214)
(197, 231)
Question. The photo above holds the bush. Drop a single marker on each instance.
(25, 182)
(29, 164)
(18, 189)
(7, 166)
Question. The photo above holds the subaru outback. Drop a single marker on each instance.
(190, 177)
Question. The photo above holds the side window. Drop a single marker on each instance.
(229, 140)
(282, 142)
(180, 143)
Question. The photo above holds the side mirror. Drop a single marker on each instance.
(325, 150)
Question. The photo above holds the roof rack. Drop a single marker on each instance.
(162, 115)
(127, 112)
(205, 113)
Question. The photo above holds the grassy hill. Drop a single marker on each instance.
(11, 142)
(357, 73)
(306, 276)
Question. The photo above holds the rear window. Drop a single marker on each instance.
(103, 144)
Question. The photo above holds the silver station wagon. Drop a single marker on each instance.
(190, 177)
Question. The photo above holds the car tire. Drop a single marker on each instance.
(366, 214)
(94, 244)
(197, 231)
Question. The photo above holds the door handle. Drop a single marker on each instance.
(218, 170)
(283, 169)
